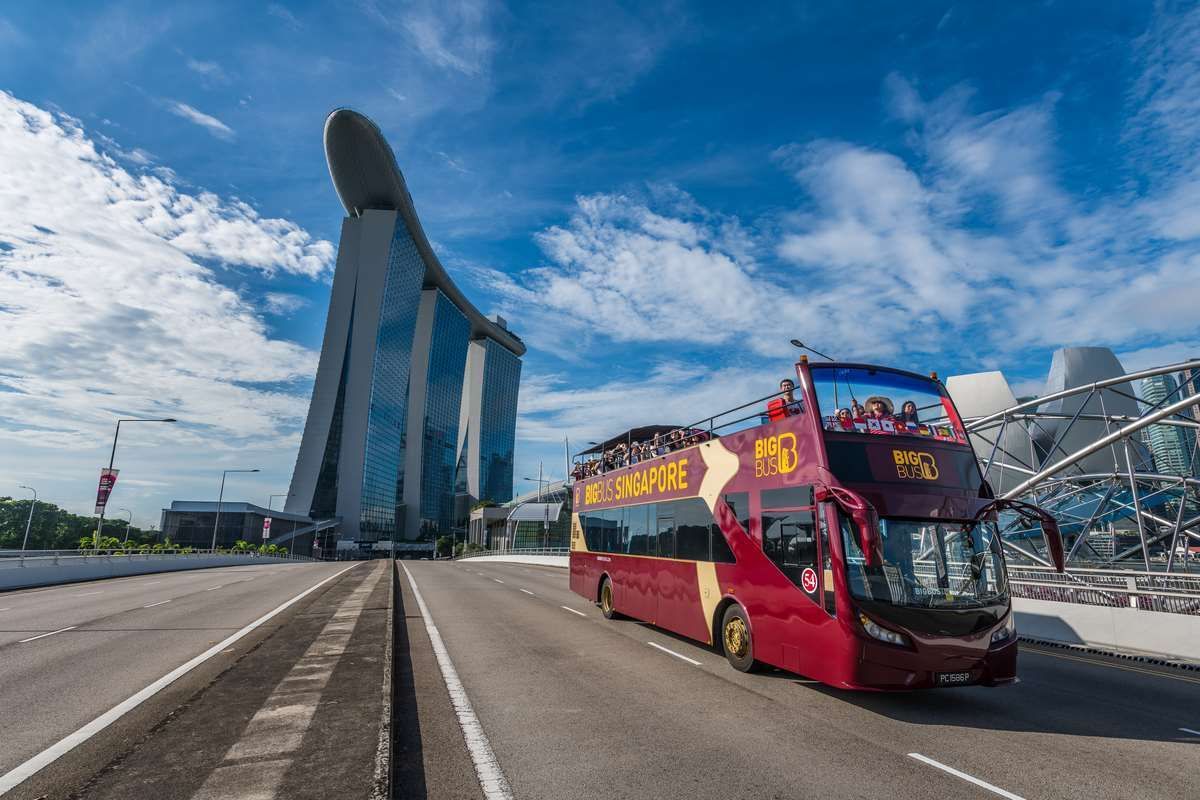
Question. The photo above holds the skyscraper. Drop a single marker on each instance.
(1170, 445)
(406, 361)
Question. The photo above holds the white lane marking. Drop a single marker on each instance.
(1185, 730)
(149, 583)
(88, 594)
(526, 591)
(573, 611)
(487, 768)
(672, 652)
(6, 608)
(51, 633)
(209, 589)
(965, 776)
(497, 580)
(68, 743)
(159, 603)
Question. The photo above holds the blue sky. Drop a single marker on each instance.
(657, 196)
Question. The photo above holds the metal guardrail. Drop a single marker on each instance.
(57, 556)
(518, 551)
(1173, 593)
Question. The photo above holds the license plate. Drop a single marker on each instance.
(953, 678)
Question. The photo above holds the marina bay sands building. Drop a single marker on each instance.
(413, 412)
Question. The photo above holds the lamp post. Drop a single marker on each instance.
(112, 457)
(270, 502)
(28, 521)
(545, 511)
(801, 345)
(220, 498)
(128, 525)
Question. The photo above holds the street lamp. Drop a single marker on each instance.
(801, 345)
(113, 456)
(221, 497)
(127, 526)
(29, 521)
(270, 502)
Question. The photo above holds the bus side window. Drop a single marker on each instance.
(827, 564)
(692, 523)
(639, 529)
(666, 534)
(789, 534)
(614, 530)
(592, 530)
(739, 504)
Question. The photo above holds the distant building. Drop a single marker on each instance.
(413, 412)
(1170, 445)
(982, 394)
(531, 520)
(190, 523)
(1073, 367)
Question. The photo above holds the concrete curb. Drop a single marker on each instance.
(382, 789)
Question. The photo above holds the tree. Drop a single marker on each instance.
(443, 545)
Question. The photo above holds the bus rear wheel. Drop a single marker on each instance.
(736, 640)
(606, 600)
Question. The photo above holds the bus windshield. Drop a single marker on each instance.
(867, 400)
(929, 564)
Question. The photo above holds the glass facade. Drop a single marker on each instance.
(498, 422)
(443, 401)
(324, 502)
(383, 457)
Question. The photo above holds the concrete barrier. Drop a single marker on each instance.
(516, 558)
(1120, 630)
(18, 573)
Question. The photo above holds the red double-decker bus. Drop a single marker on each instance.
(843, 532)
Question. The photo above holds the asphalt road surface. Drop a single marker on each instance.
(70, 653)
(573, 705)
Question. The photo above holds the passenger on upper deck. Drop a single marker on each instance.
(879, 408)
(908, 413)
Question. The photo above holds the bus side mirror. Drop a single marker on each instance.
(864, 516)
(1054, 542)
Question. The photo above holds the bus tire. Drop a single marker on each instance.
(736, 640)
(607, 606)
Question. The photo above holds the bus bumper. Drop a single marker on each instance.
(887, 668)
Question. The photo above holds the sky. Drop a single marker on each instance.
(657, 196)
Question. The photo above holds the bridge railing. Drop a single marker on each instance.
(57, 556)
(518, 551)
(1172, 593)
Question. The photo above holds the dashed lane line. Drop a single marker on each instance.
(18, 774)
(526, 591)
(497, 580)
(573, 611)
(969, 778)
(209, 589)
(691, 661)
(487, 767)
(87, 594)
(51, 633)
(159, 603)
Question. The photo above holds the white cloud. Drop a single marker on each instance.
(284, 304)
(107, 308)
(207, 121)
(282, 13)
(210, 70)
(450, 34)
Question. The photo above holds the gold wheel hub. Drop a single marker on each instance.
(737, 638)
(606, 598)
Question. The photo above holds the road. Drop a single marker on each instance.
(70, 653)
(573, 705)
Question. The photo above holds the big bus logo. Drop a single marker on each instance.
(775, 455)
(915, 464)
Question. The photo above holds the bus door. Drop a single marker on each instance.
(684, 530)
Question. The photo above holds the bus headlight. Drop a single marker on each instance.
(881, 633)
(1006, 631)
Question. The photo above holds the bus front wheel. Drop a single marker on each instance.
(736, 640)
(606, 600)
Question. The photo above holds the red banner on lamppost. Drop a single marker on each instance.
(108, 479)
